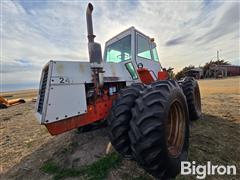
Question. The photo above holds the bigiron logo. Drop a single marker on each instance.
(201, 171)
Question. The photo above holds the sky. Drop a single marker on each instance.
(186, 32)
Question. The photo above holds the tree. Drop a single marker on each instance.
(181, 73)
(207, 66)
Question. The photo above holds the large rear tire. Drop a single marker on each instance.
(192, 92)
(159, 132)
(119, 119)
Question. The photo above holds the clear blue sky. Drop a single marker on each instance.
(33, 32)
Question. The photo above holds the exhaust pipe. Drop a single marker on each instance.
(95, 52)
(89, 11)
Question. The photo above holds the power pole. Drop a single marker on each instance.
(217, 55)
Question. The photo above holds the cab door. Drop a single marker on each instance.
(146, 55)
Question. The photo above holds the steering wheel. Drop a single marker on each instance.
(140, 65)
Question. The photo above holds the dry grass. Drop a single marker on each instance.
(221, 98)
(20, 133)
(220, 86)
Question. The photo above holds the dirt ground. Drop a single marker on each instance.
(25, 145)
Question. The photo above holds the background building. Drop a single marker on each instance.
(195, 72)
(219, 71)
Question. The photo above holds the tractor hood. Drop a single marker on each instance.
(62, 88)
(75, 72)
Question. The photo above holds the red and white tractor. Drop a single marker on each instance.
(146, 112)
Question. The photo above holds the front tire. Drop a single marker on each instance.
(119, 119)
(159, 130)
(192, 92)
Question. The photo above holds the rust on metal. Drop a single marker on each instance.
(82, 68)
(60, 68)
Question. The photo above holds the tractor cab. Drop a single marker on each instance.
(137, 52)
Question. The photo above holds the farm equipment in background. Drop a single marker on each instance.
(4, 103)
(146, 112)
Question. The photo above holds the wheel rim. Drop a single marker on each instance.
(197, 99)
(175, 129)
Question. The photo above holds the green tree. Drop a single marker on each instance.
(211, 63)
(181, 73)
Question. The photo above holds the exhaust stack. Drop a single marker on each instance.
(91, 36)
(95, 53)
(94, 49)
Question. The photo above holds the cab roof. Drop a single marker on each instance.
(131, 29)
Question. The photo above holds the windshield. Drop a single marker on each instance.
(119, 51)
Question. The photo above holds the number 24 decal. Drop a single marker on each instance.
(64, 80)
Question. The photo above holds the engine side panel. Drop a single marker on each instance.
(62, 91)
(65, 101)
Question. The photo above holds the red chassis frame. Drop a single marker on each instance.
(95, 112)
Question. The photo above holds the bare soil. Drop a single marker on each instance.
(25, 145)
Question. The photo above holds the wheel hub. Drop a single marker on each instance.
(175, 129)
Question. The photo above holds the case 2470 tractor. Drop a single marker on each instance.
(147, 113)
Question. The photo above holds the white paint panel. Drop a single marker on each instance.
(117, 70)
(76, 71)
(65, 101)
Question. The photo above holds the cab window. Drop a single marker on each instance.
(143, 48)
(131, 70)
(155, 54)
(119, 51)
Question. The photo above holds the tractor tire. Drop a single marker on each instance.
(119, 119)
(159, 129)
(191, 91)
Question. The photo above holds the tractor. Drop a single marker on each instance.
(147, 113)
